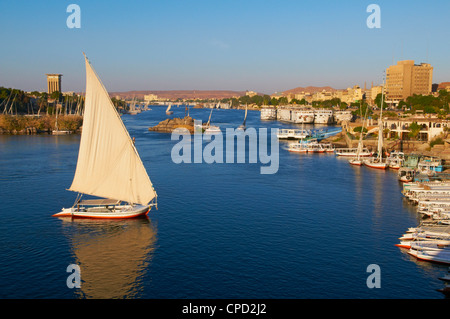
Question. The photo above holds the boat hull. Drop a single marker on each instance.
(355, 162)
(120, 212)
(432, 256)
(375, 165)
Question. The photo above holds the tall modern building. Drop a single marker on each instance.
(406, 79)
(54, 83)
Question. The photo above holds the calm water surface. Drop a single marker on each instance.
(221, 230)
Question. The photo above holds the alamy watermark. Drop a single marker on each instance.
(74, 279)
(374, 20)
(74, 19)
(190, 149)
(374, 279)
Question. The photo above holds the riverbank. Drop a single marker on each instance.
(30, 125)
(436, 148)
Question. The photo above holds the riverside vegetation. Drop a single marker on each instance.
(20, 124)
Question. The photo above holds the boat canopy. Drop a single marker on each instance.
(99, 202)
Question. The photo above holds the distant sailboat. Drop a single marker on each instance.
(242, 126)
(211, 129)
(108, 164)
(133, 110)
(168, 111)
(57, 131)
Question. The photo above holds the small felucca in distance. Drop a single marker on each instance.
(108, 163)
(242, 127)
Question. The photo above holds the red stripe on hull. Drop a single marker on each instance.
(376, 167)
(101, 217)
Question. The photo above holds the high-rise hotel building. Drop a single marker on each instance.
(406, 79)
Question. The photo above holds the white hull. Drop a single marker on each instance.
(57, 132)
(305, 119)
(352, 152)
(293, 134)
(376, 165)
(122, 211)
(441, 256)
(268, 114)
(356, 162)
(213, 130)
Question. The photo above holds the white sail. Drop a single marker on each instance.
(168, 108)
(108, 163)
(245, 117)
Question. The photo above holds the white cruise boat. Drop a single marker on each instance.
(343, 116)
(284, 114)
(323, 116)
(307, 147)
(303, 115)
(268, 113)
(292, 134)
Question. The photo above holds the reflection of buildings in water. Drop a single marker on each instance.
(113, 255)
(358, 183)
(378, 176)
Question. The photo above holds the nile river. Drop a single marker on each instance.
(221, 230)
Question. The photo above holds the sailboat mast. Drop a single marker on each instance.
(380, 133)
(209, 120)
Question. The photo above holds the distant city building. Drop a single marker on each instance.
(150, 97)
(250, 93)
(371, 94)
(406, 79)
(53, 83)
(431, 127)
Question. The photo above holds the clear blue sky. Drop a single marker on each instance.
(259, 45)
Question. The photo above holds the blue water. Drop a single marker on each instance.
(221, 230)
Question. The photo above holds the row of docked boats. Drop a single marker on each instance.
(430, 241)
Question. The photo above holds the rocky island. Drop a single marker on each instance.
(168, 125)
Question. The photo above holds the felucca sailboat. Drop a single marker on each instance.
(242, 126)
(357, 160)
(378, 162)
(108, 164)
